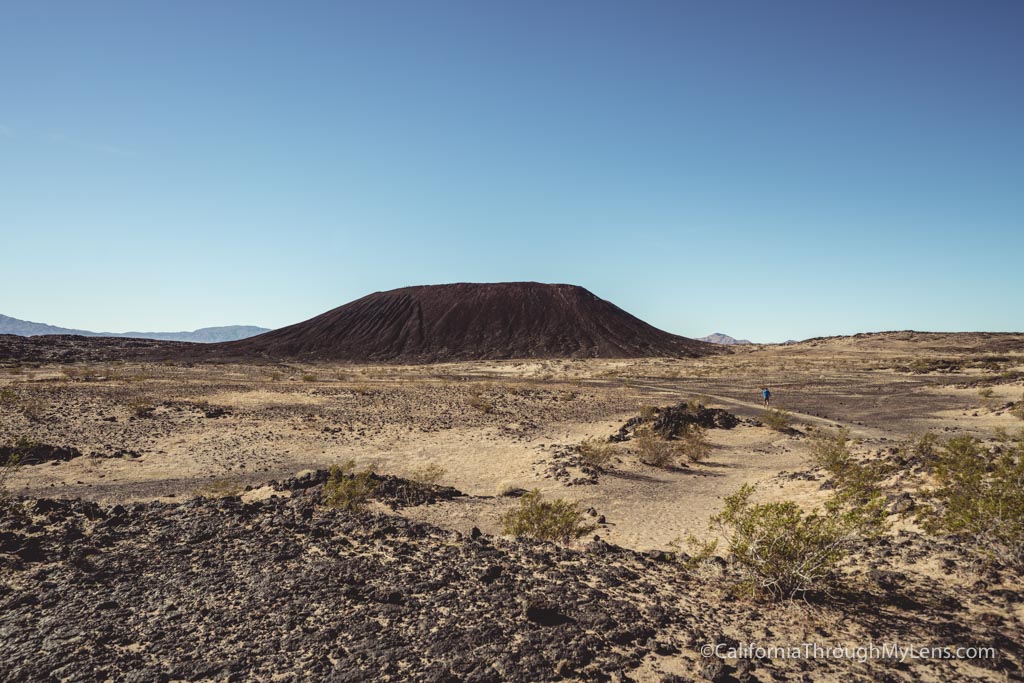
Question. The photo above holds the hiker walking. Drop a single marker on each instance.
(767, 396)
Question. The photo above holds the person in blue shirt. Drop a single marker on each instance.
(767, 396)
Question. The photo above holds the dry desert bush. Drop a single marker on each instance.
(596, 453)
(654, 450)
(427, 475)
(778, 420)
(555, 520)
(979, 497)
(782, 551)
(347, 488)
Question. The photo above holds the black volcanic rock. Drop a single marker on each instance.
(469, 322)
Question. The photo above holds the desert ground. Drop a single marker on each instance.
(146, 438)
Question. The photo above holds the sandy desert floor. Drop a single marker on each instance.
(173, 431)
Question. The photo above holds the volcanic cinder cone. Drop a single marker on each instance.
(468, 321)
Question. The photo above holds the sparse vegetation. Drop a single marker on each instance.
(856, 484)
(8, 466)
(1018, 409)
(141, 407)
(11, 458)
(427, 475)
(361, 389)
(654, 450)
(477, 400)
(693, 443)
(596, 453)
(505, 489)
(783, 552)
(308, 377)
(8, 398)
(547, 520)
(979, 496)
(778, 420)
(33, 408)
(222, 488)
(349, 489)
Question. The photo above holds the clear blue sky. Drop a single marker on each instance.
(771, 170)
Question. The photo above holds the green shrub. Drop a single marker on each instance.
(779, 420)
(856, 484)
(781, 551)
(693, 443)
(555, 520)
(596, 453)
(8, 398)
(654, 450)
(979, 496)
(830, 449)
(308, 377)
(925, 447)
(11, 458)
(348, 489)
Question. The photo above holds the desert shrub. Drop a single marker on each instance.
(11, 458)
(308, 377)
(979, 496)
(428, 475)
(596, 453)
(477, 400)
(547, 520)
(222, 488)
(33, 408)
(141, 407)
(347, 488)
(506, 488)
(925, 447)
(8, 398)
(856, 484)
(779, 420)
(648, 412)
(654, 450)
(830, 449)
(693, 443)
(9, 464)
(781, 551)
(1018, 409)
(362, 389)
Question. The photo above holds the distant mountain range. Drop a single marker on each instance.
(206, 335)
(724, 339)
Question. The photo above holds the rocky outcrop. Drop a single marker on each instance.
(672, 421)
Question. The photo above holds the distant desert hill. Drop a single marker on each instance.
(724, 339)
(467, 322)
(24, 328)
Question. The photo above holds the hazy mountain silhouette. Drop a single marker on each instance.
(24, 328)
